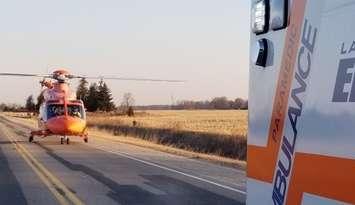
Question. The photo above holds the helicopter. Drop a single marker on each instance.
(61, 113)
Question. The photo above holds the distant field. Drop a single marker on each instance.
(216, 132)
(226, 122)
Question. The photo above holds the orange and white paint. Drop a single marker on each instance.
(301, 143)
(59, 94)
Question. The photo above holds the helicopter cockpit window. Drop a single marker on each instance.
(55, 110)
(75, 111)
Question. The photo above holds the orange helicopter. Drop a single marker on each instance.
(61, 113)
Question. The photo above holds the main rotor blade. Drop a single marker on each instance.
(25, 75)
(129, 79)
(90, 77)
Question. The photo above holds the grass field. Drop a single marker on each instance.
(221, 133)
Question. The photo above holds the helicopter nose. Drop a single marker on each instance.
(75, 126)
(66, 125)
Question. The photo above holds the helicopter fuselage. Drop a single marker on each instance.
(61, 113)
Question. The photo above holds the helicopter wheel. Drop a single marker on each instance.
(86, 140)
(67, 140)
(61, 140)
(30, 139)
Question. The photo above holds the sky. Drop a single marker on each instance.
(205, 42)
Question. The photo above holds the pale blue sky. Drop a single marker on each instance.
(203, 41)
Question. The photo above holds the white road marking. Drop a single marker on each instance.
(167, 168)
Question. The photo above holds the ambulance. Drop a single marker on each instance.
(301, 142)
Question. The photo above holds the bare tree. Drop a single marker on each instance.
(127, 104)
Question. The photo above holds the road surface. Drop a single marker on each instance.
(105, 172)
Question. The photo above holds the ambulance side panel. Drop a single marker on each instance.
(301, 142)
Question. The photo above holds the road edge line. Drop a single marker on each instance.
(168, 169)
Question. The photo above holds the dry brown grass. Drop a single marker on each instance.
(226, 122)
(215, 132)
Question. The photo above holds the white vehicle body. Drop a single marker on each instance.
(301, 142)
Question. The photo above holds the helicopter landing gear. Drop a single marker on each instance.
(86, 140)
(30, 139)
(65, 138)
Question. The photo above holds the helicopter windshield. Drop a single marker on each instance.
(76, 111)
(54, 110)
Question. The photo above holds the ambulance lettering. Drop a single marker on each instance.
(287, 151)
(345, 75)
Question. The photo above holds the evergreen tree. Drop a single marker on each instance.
(30, 104)
(82, 91)
(92, 100)
(104, 97)
(40, 100)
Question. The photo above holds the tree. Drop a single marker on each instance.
(239, 103)
(92, 101)
(30, 104)
(40, 100)
(82, 91)
(105, 98)
(127, 104)
(220, 103)
(245, 105)
(130, 111)
(3, 107)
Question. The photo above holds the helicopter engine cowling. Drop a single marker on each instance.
(60, 91)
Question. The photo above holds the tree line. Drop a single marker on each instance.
(217, 103)
(12, 108)
(98, 97)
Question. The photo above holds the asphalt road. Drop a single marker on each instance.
(106, 172)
